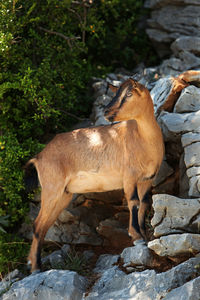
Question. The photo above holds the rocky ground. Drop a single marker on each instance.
(95, 225)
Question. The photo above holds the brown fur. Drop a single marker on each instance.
(123, 155)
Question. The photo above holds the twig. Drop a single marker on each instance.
(68, 39)
(74, 116)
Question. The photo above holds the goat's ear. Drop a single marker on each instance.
(112, 88)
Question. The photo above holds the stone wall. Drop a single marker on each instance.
(174, 29)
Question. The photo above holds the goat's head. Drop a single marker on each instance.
(128, 103)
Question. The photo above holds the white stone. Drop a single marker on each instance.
(176, 244)
(194, 186)
(49, 285)
(174, 125)
(189, 291)
(146, 285)
(137, 255)
(173, 214)
(189, 138)
(189, 100)
(193, 171)
(160, 92)
(192, 155)
(105, 261)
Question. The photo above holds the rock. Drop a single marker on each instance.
(176, 244)
(192, 155)
(88, 254)
(137, 255)
(49, 285)
(9, 279)
(189, 290)
(67, 216)
(194, 183)
(189, 100)
(54, 261)
(148, 285)
(192, 161)
(105, 261)
(183, 179)
(114, 233)
(65, 250)
(166, 92)
(164, 172)
(174, 125)
(171, 20)
(186, 43)
(190, 138)
(174, 215)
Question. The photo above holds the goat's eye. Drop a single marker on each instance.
(129, 94)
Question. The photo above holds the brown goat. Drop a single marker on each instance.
(125, 155)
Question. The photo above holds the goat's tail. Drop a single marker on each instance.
(30, 175)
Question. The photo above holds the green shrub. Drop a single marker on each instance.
(13, 253)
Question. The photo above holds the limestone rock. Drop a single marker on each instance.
(192, 155)
(148, 285)
(189, 100)
(49, 285)
(170, 21)
(137, 255)
(190, 138)
(174, 215)
(114, 233)
(164, 172)
(190, 290)
(174, 125)
(104, 262)
(165, 93)
(176, 244)
(161, 3)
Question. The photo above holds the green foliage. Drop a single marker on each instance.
(13, 253)
(76, 262)
(3, 223)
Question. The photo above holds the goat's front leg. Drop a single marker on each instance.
(145, 203)
(131, 194)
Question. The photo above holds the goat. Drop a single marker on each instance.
(123, 155)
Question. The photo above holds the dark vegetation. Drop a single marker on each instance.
(49, 51)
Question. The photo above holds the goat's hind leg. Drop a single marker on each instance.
(51, 207)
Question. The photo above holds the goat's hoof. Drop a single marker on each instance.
(139, 242)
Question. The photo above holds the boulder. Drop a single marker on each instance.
(166, 92)
(173, 125)
(189, 100)
(148, 285)
(105, 261)
(171, 20)
(174, 215)
(190, 290)
(49, 285)
(138, 255)
(176, 244)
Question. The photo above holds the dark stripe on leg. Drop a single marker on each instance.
(135, 194)
(135, 219)
(145, 199)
